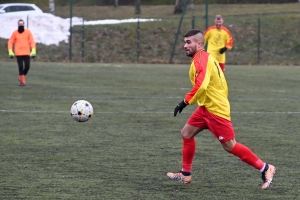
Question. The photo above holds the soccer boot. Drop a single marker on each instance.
(267, 176)
(19, 79)
(22, 80)
(180, 177)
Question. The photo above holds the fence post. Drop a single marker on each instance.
(258, 40)
(138, 40)
(206, 14)
(82, 41)
(193, 22)
(70, 44)
(178, 30)
(27, 23)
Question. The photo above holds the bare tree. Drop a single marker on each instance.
(52, 6)
(116, 3)
(191, 5)
(137, 6)
(178, 6)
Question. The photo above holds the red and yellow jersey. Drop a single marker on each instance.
(216, 39)
(21, 43)
(209, 85)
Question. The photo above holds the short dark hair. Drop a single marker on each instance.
(192, 32)
(21, 20)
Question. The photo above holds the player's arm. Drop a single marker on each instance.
(206, 37)
(32, 44)
(10, 44)
(201, 83)
(31, 40)
(228, 41)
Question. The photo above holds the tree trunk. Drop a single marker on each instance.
(191, 5)
(178, 6)
(52, 6)
(116, 3)
(137, 6)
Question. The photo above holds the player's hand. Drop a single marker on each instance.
(222, 50)
(11, 54)
(179, 107)
(33, 53)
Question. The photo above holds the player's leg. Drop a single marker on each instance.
(194, 125)
(188, 134)
(21, 70)
(20, 65)
(27, 66)
(249, 157)
(222, 65)
(243, 152)
(224, 132)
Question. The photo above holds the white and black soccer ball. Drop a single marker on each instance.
(81, 111)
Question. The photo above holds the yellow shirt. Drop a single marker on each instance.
(209, 85)
(216, 39)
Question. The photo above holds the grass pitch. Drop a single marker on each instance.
(133, 140)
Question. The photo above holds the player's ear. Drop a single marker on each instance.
(199, 43)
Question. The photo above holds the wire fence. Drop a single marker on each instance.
(259, 39)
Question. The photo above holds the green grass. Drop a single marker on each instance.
(132, 140)
(164, 11)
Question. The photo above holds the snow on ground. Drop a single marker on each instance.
(49, 29)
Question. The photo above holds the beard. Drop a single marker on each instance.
(21, 29)
(190, 52)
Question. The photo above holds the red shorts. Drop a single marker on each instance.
(221, 128)
(222, 65)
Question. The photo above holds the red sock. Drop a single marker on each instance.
(188, 152)
(247, 156)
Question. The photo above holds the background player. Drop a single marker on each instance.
(20, 44)
(218, 40)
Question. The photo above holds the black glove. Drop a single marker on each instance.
(222, 50)
(179, 107)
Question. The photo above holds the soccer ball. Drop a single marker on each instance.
(81, 111)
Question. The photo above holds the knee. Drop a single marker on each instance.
(228, 146)
(185, 134)
(228, 149)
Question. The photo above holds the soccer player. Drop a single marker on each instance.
(22, 45)
(210, 91)
(218, 40)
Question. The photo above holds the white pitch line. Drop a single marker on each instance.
(258, 112)
(256, 90)
(273, 99)
(187, 89)
(148, 112)
(103, 97)
(154, 97)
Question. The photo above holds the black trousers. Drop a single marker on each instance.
(23, 64)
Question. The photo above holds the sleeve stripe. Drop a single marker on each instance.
(200, 65)
(230, 43)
